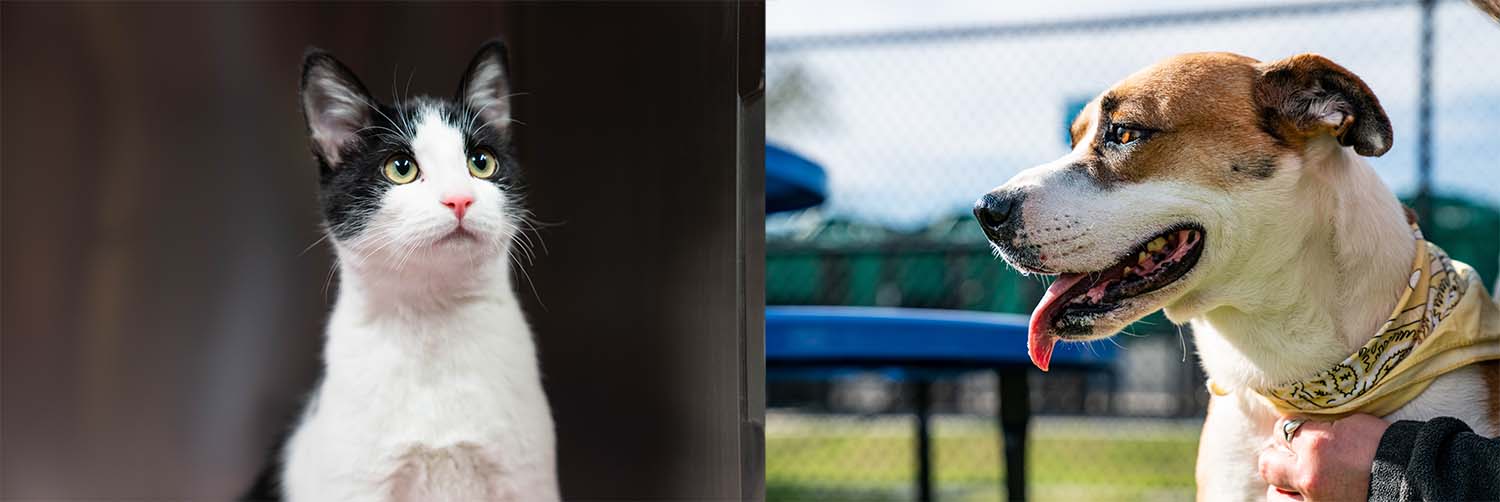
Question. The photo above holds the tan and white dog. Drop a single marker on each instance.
(1233, 194)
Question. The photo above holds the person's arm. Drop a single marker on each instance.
(1441, 459)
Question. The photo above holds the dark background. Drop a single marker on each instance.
(163, 298)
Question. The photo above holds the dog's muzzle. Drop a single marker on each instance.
(999, 214)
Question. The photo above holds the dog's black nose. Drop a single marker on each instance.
(998, 214)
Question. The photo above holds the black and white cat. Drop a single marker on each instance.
(431, 389)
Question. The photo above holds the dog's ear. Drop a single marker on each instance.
(485, 86)
(334, 103)
(1490, 7)
(1307, 95)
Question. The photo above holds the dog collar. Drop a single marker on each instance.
(1444, 321)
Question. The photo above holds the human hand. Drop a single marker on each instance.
(1323, 460)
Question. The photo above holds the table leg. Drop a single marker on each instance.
(1014, 414)
(924, 439)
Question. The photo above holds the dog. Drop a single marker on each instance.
(1233, 194)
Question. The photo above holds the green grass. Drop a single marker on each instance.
(840, 457)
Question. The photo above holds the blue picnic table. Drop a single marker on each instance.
(924, 344)
(927, 344)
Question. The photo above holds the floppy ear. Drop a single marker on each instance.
(485, 86)
(335, 104)
(1307, 95)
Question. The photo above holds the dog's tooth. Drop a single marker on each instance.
(1141, 258)
(1157, 245)
(1128, 270)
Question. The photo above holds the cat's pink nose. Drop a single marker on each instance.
(458, 203)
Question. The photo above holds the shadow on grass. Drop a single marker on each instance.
(799, 492)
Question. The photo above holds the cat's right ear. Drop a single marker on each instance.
(335, 104)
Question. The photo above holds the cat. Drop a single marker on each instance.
(431, 389)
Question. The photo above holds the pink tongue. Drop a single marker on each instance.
(1038, 342)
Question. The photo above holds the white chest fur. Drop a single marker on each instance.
(426, 407)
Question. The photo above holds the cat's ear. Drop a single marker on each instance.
(335, 104)
(485, 87)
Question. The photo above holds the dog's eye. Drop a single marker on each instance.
(482, 163)
(1124, 135)
(401, 169)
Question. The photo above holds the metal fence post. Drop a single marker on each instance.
(1424, 118)
(1015, 415)
(924, 438)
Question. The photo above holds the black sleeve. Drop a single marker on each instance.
(1441, 459)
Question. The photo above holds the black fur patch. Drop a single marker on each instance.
(1269, 123)
(1260, 168)
(1107, 106)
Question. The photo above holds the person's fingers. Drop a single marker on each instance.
(1307, 436)
(1278, 467)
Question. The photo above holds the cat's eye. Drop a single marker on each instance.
(1124, 134)
(401, 169)
(483, 164)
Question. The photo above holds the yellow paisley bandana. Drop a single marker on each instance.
(1445, 320)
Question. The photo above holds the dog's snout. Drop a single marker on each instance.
(998, 213)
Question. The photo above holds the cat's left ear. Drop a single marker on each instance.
(485, 87)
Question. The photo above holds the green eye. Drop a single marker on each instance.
(482, 163)
(401, 169)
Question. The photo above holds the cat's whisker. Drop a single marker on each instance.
(383, 238)
(405, 117)
(328, 281)
(527, 244)
(391, 135)
(530, 216)
(405, 132)
(395, 99)
(406, 90)
(315, 243)
(420, 244)
(526, 252)
(408, 251)
(525, 249)
(532, 226)
(475, 116)
(532, 284)
(523, 235)
(512, 227)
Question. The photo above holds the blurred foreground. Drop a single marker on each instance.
(813, 456)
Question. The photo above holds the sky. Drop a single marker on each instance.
(914, 131)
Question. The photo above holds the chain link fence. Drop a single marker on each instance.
(911, 127)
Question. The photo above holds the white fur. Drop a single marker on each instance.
(1353, 251)
(1299, 271)
(432, 390)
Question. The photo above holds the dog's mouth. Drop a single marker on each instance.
(1075, 300)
